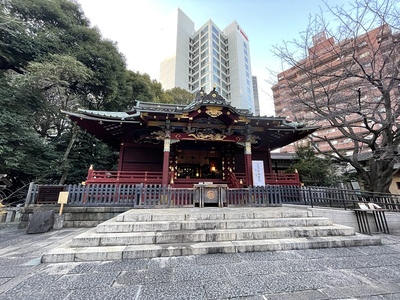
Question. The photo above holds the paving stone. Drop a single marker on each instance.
(35, 295)
(387, 274)
(125, 265)
(200, 272)
(12, 271)
(34, 283)
(357, 262)
(4, 279)
(173, 290)
(248, 285)
(353, 291)
(256, 297)
(220, 289)
(390, 297)
(303, 295)
(218, 258)
(86, 280)
(327, 252)
(174, 262)
(271, 255)
(114, 293)
(127, 278)
(250, 268)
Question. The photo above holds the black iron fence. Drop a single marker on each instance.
(158, 196)
(334, 197)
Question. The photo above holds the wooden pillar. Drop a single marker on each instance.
(90, 172)
(247, 164)
(269, 160)
(165, 172)
(121, 157)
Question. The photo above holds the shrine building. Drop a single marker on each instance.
(206, 141)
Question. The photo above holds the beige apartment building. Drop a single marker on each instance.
(320, 79)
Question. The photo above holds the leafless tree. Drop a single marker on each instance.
(343, 75)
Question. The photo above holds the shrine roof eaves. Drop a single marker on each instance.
(104, 116)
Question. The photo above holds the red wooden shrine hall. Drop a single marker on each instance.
(207, 140)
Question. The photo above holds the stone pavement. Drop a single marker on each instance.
(369, 272)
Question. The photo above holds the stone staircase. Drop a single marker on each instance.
(192, 231)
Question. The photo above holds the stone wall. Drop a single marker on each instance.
(75, 216)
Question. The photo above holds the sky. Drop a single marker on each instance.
(137, 25)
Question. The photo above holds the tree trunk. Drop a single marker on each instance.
(64, 162)
(380, 172)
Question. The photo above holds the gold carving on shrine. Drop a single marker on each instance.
(252, 139)
(162, 134)
(213, 111)
(243, 119)
(183, 116)
(208, 136)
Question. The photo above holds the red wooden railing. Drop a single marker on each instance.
(282, 179)
(136, 177)
(234, 181)
(132, 177)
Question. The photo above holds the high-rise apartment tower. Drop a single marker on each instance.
(208, 58)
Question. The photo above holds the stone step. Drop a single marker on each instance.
(92, 238)
(147, 226)
(208, 214)
(67, 253)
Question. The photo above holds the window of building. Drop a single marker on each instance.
(204, 70)
(204, 38)
(204, 54)
(204, 62)
(216, 79)
(215, 46)
(215, 30)
(216, 54)
(215, 70)
(204, 46)
(204, 30)
(215, 61)
(215, 38)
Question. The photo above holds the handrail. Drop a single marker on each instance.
(232, 178)
(123, 176)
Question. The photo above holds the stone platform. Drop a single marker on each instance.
(150, 233)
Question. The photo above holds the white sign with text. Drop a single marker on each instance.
(258, 173)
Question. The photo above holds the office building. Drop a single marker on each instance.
(208, 58)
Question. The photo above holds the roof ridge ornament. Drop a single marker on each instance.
(211, 98)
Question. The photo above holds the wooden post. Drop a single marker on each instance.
(269, 159)
(165, 172)
(90, 173)
(247, 164)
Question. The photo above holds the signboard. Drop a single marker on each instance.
(258, 173)
(63, 198)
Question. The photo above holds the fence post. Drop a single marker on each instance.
(29, 195)
(250, 188)
(344, 200)
(310, 195)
